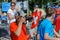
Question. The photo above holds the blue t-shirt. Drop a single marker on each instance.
(45, 27)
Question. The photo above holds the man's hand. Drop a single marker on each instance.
(58, 35)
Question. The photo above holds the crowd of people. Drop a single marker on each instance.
(42, 26)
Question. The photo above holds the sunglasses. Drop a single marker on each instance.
(12, 5)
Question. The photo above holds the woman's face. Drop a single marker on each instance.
(19, 18)
(12, 6)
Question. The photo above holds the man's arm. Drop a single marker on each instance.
(58, 35)
(47, 37)
(10, 16)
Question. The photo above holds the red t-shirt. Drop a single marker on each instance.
(57, 10)
(23, 34)
(57, 23)
(37, 15)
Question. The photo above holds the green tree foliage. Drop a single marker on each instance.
(39, 2)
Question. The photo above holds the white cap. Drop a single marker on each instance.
(23, 14)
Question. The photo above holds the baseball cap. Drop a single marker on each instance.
(23, 14)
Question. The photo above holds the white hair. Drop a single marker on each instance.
(43, 12)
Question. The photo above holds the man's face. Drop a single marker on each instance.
(52, 17)
(13, 6)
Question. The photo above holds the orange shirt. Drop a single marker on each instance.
(57, 23)
(23, 34)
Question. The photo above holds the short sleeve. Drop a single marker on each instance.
(47, 28)
(9, 11)
(13, 27)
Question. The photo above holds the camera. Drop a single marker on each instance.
(29, 18)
